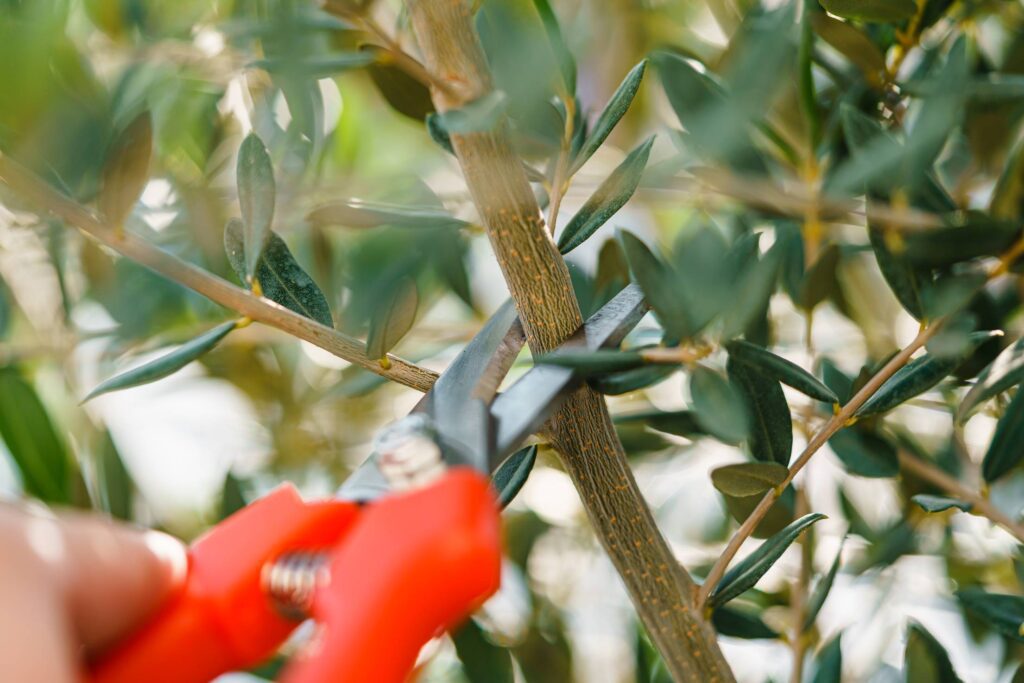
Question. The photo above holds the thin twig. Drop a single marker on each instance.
(34, 190)
(561, 180)
(979, 504)
(798, 600)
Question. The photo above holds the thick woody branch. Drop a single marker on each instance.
(537, 276)
(35, 191)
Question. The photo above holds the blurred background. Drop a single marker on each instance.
(263, 407)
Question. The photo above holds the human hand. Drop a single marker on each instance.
(72, 584)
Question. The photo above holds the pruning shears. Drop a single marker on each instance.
(410, 547)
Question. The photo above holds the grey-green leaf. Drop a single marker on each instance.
(740, 623)
(1004, 372)
(719, 405)
(748, 478)
(750, 569)
(165, 365)
(512, 474)
(1007, 447)
(822, 589)
(872, 10)
(281, 277)
(828, 665)
(906, 283)
(393, 318)
(482, 660)
(658, 284)
(1004, 613)
(598, 361)
(925, 659)
(613, 112)
(126, 170)
(322, 66)
(779, 368)
(930, 503)
(28, 433)
(618, 383)
(771, 424)
(256, 196)
(232, 497)
(478, 116)
(865, 453)
(609, 197)
(116, 488)
(678, 422)
(355, 213)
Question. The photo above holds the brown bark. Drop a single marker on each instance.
(538, 279)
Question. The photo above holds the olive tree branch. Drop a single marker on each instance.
(979, 504)
(37, 192)
(582, 433)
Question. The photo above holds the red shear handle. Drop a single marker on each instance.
(413, 566)
(221, 620)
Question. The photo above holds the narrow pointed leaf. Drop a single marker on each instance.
(925, 659)
(564, 58)
(906, 283)
(740, 623)
(1007, 447)
(821, 590)
(1004, 372)
(872, 10)
(256, 196)
(165, 365)
(750, 569)
(865, 453)
(678, 422)
(609, 197)
(828, 665)
(599, 361)
(771, 424)
(28, 433)
(356, 213)
(613, 112)
(280, 276)
(748, 478)
(776, 367)
(393, 319)
(322, 66)
(752, 294)
(116, 488)
(232, 497)
(853, 44)
(930, 503)
(478, 116)
(482, 660)
(719, 405)
(126, 170)
(1004, 613)
(512, 474)
(618, 383)
(658, 285)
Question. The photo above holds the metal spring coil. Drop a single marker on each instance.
(292, 579)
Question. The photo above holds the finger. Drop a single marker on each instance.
(115, 576)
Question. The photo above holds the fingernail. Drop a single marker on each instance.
(171, 553)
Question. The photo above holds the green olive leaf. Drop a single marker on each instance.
(1004, 613)
(564, 58)
(657, 281)
(925, 659)
(392, 319)
(322, 66)
(1006, 371)
(610, 116)
(482, 661)
(776, 367)
(678, 422)
(126, 170)
(609, 197)
(256, 196)
(116, 489)
(1006, 451)
(28, 433)
(356, 213)
(740, 623)
(828, 665)
(719, 406)
(163, 366)
(853, 44)
(748, 478)
(618, 383)
(512, 474)
(930, 503)
(232, 496)
(822, 589)
(771, 424)
(596, 362)
(280, 276)
(865, 453)
(750, 569)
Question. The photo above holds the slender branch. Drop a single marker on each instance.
(558, 184)
(835, 423)
(35, 191)
(583, 432)
(979, 504)
(798, 601)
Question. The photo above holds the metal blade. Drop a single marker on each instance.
(527, 404)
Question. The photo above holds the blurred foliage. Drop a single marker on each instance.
(796, 186)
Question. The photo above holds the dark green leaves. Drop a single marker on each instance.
(828, 665)
(1004, 613)
(116, 491)
(392, 318)
(925, 659)
(718, 405)
(478, 116)
(598, 361)
(280, 276)
(749, 478)
(821, 590)
(748, 571)
(256, 196)
(678, 422)
(1004, 372)
(740, 623)
(865, 453)
(930, 503)
(165, 365)
(776, 367)
(771, 425)
(906, 282)
(613, 112)
(512, 474)
(482, 660)
(609, 197)
(883, 11)
(126, 170)
(618, 383)
(657, 282)
(911, 380)
(1007, 447)
(29, 435)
